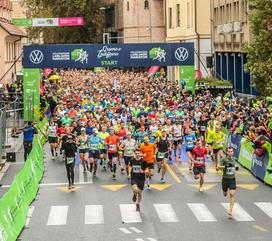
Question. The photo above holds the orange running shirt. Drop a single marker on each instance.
(149, 150)
(112, 142)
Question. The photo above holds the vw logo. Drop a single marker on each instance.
(181, 54)
(36, 56)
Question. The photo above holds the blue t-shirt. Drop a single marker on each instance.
(94, 142)
(189, 139)
(141, 135)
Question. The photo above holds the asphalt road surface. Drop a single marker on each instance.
(102, 210)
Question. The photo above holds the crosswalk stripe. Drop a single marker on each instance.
(266, 207)
(166, 213)
(238, 213)
(94, 214)
(129, 214)
(136, 230)
(29, 215)
(139, 239)
(58, 215)
(151, 239)
(124, 230)
(201, 212)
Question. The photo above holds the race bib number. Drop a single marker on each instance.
(129, 151)
(94, 147)
(161, 154)
(70, 160)
(177, 134)
(230, 170)
(190, 144)
(112, 147)
(121, 139)
(136, 169)
(202, 128)
(200, 160)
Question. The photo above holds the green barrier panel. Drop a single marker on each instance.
(14, 204)
(246, 153)
(226, 133)
(268, 175)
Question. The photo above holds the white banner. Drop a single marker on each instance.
(45, 22)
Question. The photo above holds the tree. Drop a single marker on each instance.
(91, 32)
(259, 49)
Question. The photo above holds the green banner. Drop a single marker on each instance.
(246, 153)
(22, 22)
(226, 133)
(31, 94)
(187, 75)
(268, 175)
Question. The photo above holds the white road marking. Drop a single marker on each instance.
(80, 173)
(238, 213)
(124, 230)
(58, 215)
(29, 215)
(152, 239)
(136, 230)
(166, 213)
(266, 207)
(129, 214)
(139, 239)
(201, 212)
(94, 214)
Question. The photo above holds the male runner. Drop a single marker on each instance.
(198, 157)
(148, 151)
(112, 142)
(228, 181)
(103, 149)
(94, 151)
(190, 139)
(53, 138)
(177, 140)
(163, 146)
(137, 168)
(217, 145)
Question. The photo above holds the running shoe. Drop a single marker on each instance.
(113, 177)
(201, 189)
(162, 180)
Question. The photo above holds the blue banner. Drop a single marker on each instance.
(259, 165)
(234, 141)
(112, 55)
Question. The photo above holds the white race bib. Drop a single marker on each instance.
(161, 154)
(230, 171)
(200, 160)
(94, 147)
(112, 147)
(70, 160)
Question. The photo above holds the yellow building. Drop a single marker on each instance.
(10, 44)
(190, 21)
(230, 32)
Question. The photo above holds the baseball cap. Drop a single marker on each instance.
(164, 130)
(95, 130)
(82, 129)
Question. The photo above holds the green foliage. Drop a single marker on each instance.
(259, 50)
(211, 81)
(91, 32)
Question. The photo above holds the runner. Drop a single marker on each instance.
(94, 151)
(190, 139)
(128, 147)
(53, 138)
(228, 181)
(177, 140)
(137, 168)
(163, 146)
(70, 150)
(148, 151)
(83, 146)
(217, 145)
(103, 149)
(112, 142)
(198, 157)
(122, 132)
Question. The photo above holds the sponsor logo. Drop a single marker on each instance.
(181, 54)
(106, 52)
(80, 55)
(61, 56)
(138, 55)
(157, 54)
(36, 56)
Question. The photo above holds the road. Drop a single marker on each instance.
(102, 210)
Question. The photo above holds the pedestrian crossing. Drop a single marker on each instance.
(165, 213)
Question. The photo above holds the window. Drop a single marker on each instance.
(228, 17)
(146, 4)
(127, 5)
(10, 48)
(170, 18)
(178, 15)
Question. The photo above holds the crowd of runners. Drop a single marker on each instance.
(122, 119)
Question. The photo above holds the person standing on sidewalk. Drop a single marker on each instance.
(29, 132)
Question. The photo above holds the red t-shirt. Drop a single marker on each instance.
(112, 142)
(121, 135)
(61, 131)
(199, 156)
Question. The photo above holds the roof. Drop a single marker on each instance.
(12, 29)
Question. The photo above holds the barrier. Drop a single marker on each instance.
(23, 190)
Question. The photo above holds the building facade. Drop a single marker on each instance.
(135, 21)
(189, 21)
(230, 32)
(10, 44)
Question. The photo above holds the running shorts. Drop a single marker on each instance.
(228, 184)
